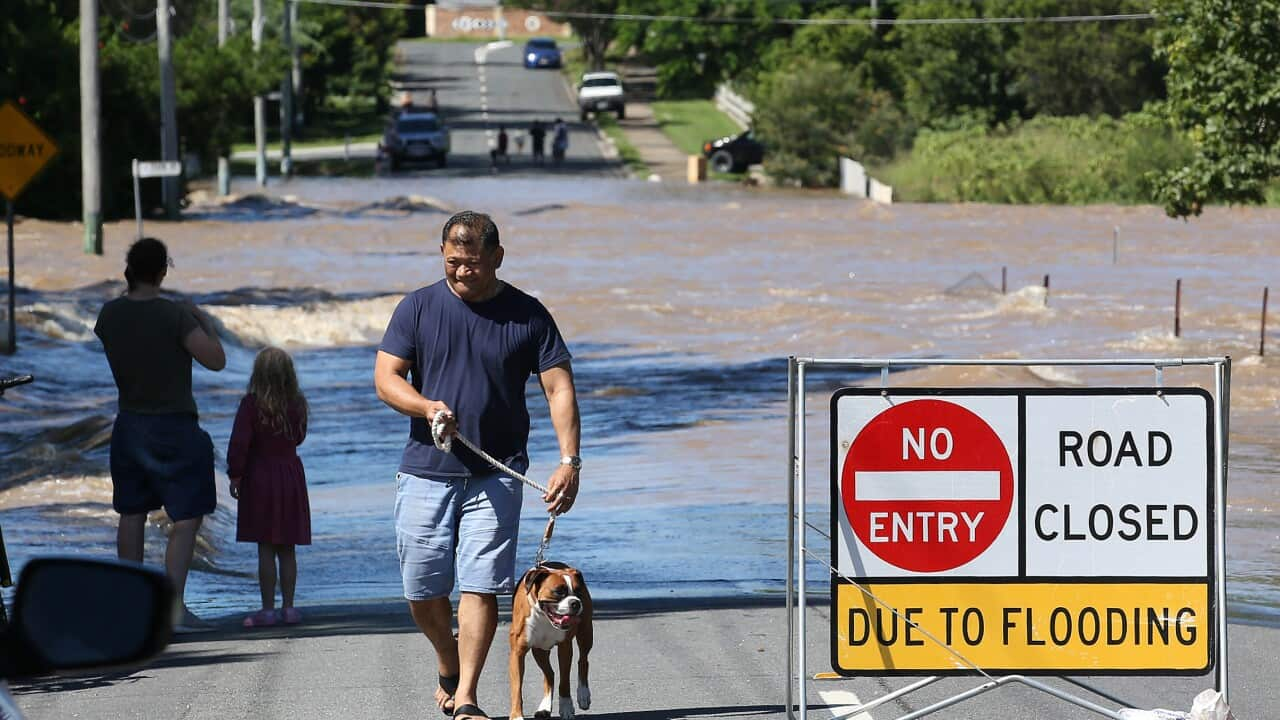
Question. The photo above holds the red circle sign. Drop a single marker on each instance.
(927, 485)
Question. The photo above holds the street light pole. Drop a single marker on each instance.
(259, 105)
(286, 97)
(90, 139)
(168, 108)
(224, 163)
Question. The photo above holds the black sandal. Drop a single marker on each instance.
(449, 685)
(469, 710)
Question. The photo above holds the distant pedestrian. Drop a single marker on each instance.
(493, 153)
(559, 142)
(519, 140)
(538, 138)
(502, 145)
(159, 455)
(435, 104)
(267, 477)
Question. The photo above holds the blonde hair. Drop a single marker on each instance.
(275, 386)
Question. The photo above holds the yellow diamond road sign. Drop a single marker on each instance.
(24, 150)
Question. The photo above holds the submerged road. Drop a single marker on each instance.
(478, 92)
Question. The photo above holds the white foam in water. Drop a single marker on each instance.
(1054, 375)
(1025, 301)
(322, 324)
(61, 321)
(1152, 340)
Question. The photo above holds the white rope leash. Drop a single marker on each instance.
(445, 443)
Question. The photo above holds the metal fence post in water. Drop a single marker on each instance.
(1177, 309)
(1262, 334)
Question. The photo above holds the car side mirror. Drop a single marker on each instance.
(72, 613)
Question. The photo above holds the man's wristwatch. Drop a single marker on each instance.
(572, 461)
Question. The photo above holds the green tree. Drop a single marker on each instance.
(726, 42)
(857, 47)
(347, 51)
(955, 70)
(1224, 94)
(39, 70)
(1085, 68)
(810, 114)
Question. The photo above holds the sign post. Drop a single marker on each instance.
(143, 169)
(24, 152)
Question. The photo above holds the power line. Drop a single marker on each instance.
(365, 3)
(869, 22)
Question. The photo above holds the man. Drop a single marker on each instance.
(470, 341)
(559, 142)
(538, 137)
(159, 455)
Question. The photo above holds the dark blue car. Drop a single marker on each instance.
(541, 53)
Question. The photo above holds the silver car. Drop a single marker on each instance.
(415, 137)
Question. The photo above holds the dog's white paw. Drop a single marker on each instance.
(544, 708)
(584, 697)
(566, 708)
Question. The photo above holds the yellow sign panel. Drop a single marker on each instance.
(24, 150)
(1088, 627)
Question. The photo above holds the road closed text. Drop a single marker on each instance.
(1023, 626)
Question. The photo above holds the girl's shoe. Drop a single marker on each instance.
(291, 616)
(262, 618)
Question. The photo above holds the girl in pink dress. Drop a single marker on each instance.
(267, 478)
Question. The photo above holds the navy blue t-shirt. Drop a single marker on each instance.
(476, 358)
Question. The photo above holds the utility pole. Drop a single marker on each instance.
(259, 105)
(286, 97)
(168, 108)
(90, 140)
(224, 163)
(296, 58)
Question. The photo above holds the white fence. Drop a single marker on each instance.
(738, 108)
(855, 181)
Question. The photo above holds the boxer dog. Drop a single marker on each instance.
(551, 608)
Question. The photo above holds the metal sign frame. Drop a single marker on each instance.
(150, 169)
(797, 593)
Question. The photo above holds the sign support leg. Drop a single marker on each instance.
(791, 532)
(1222, 398)
(802, 640)
(12, 345)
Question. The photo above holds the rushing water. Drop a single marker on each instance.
(680, 306)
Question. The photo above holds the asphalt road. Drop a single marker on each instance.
(478, 92)
(651, 662)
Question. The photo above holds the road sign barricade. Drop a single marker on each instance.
(1017, 531)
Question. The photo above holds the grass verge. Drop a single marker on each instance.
(363, 167)
(690, 123)
(626, 151)
(357, 118)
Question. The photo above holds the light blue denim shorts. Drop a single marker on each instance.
(463, 530)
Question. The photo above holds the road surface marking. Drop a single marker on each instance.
(842, 703)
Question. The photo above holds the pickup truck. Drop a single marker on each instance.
(601, 91)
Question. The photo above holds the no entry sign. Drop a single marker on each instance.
(927, 485)
(1033, 531)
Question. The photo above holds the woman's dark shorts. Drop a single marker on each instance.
(162, 461)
